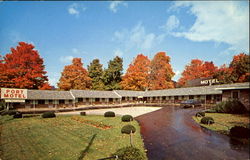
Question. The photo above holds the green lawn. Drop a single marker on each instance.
(223, 121)
(63, 137)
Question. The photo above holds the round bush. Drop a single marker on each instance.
(187, 106)
(240, 132)
(207, 120)
(128, 129)
(129, 153)
(83, 113)
(9, 112)
(127, 118)
(18, 115)
(200, 114)
(48, 115)
(231, 106)
(109, 114)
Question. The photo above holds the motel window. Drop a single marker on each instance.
(208, 97)
(235, 94)
(97, 99)
(50, 101)
(123, 98)
(191, 97)
(218, 97)
(176, 98)
(182, 97)
(87, 99)
(80, 99)
(110, 99)
(28, 101)
(41, 102)
(70, 101)
(164, 98)
(134, 98)
(61, 101)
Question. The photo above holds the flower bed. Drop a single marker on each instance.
(98, 125)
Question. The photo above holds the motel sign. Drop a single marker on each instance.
(209, 81)
(13, 94)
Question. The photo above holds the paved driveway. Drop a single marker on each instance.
(134, 111)
(171, 134)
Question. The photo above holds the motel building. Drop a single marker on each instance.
(25, 99)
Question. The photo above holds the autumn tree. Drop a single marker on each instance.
(112, 75)
(136, 77)
(22, 68)
(224, 74)
(240, 66)
(74, 76)
(197, 69)
(161, 72)
(95, 73)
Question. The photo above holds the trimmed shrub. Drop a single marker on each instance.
(207, 120)
(109, 114)
(83, 113)
(200, 114)
(210, 111)
(9, 112)
(240, 132)
(48, 115)
(187, 106)
(128, 129)
(129, 153)
(18, 115)
(127, 118)
(231, 106)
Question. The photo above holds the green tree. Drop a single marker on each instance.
(112, 75)
(96, 72)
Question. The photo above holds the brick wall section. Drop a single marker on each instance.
(243, 93)
(244, 98)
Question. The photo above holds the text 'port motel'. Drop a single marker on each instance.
(11, 93)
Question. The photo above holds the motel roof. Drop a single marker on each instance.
(94, 94)
(46, 94)
(72, 94)
(128, 93)
(202, 90)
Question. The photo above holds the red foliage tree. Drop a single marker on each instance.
(224, 74)
(241, 68)
(136, 77)
(197, 69)
(22, 68)
(74, 76)
(161, 72)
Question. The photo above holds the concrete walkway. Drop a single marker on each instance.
(134, 111)
(171, 134)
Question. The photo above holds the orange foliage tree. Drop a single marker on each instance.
(136, 77)
(22, 68)
(74, 76)
(197, 69)
(161, 72)
(241, 68)
(224, 74)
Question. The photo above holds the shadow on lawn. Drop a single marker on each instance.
(84, 152)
